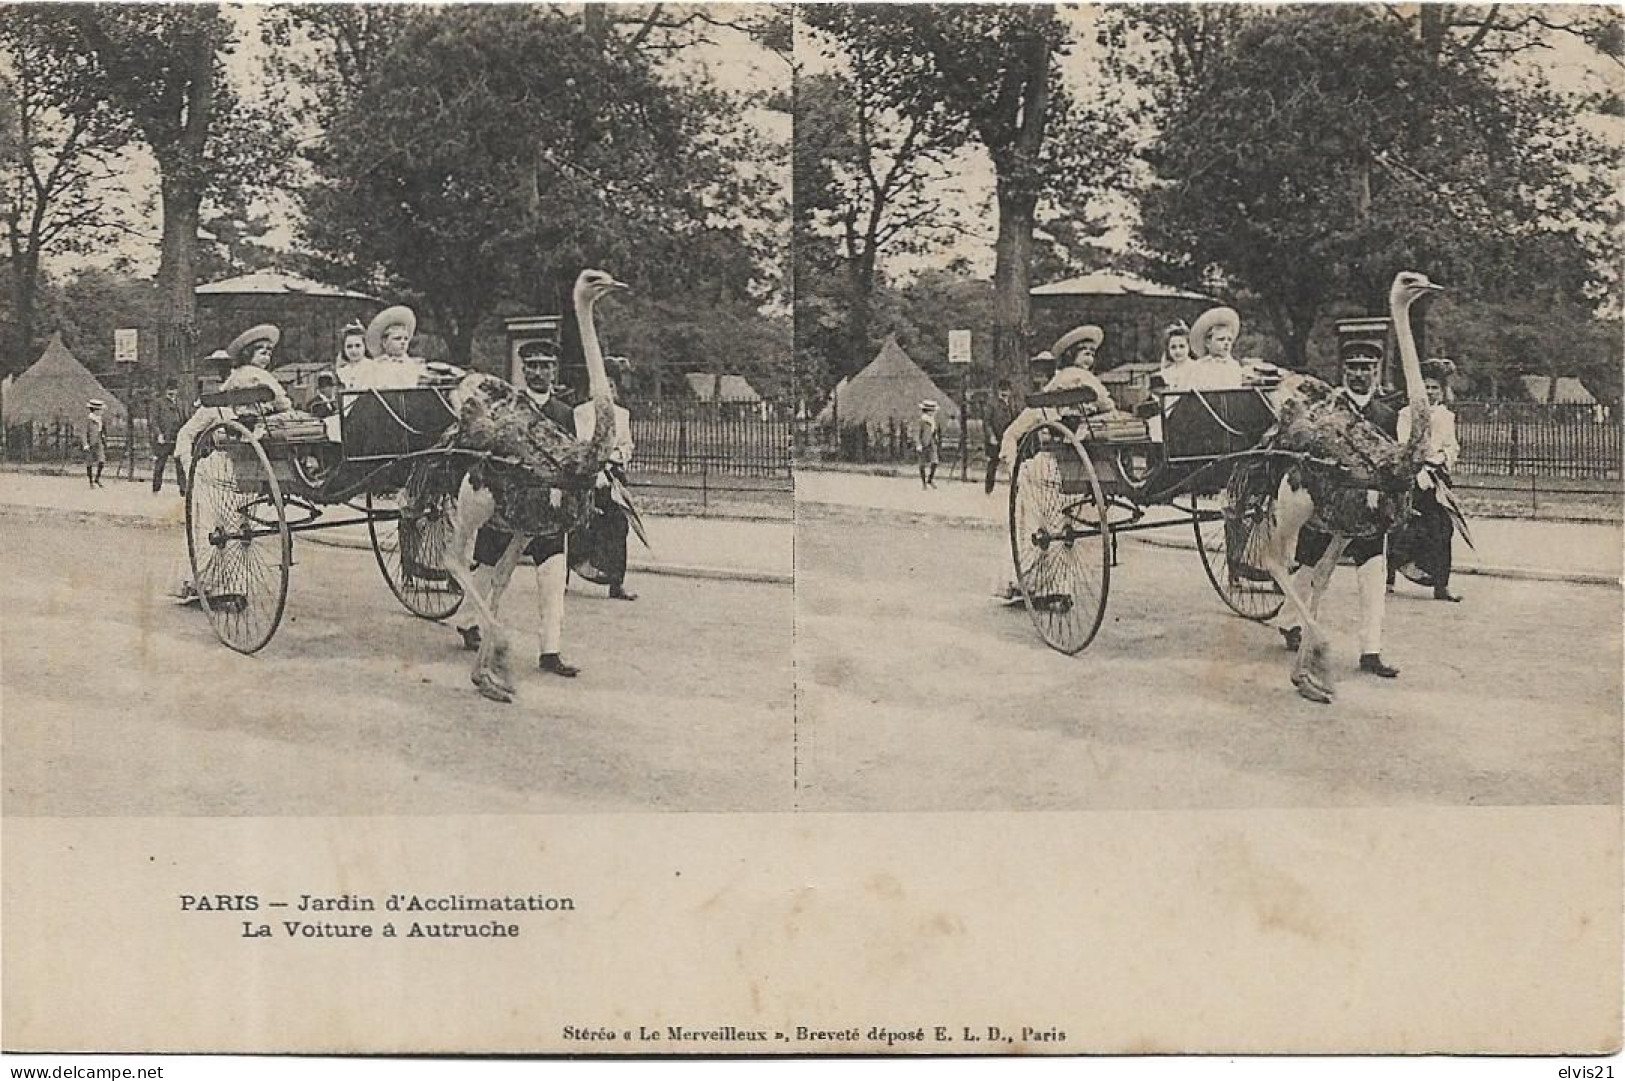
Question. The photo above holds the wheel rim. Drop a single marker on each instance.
(1252, 598)
(411, 549)
(238, 542)
(1060, 539)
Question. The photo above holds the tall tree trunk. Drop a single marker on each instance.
(1297, 339)
(1012, 283)
(27, 287)
(177, 262)
(860, 313)
(182, 171)
(1016, 161)
(460, 341)
(1293, 324)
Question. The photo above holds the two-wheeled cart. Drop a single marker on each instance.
(259, 478)
(1078, 482)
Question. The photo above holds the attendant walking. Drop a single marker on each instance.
(166, 421)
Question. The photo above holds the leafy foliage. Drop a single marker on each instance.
(161, 70)
(992, 71)
(466, 171)
(57, 151)
(1324, 149)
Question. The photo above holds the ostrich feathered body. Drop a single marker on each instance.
(540, 475)
(1359, 478)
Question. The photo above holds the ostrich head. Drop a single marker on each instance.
(592, 284)
(1409, 287)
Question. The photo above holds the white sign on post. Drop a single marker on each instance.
(124, 346)
(959, 347)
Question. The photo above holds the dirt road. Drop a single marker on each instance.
(917, 692)
(118, 702)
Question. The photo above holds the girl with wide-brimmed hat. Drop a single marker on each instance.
(389, 364)
(250, 354)
(1212, 364)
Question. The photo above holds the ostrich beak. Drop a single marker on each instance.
(1433, 287)
(615, 283)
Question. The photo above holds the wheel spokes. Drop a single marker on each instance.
(1060, 538)
(239, 548)
(1226, 546)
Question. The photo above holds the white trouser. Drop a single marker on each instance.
(552, 575)
(1371, 579)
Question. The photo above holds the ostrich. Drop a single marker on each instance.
(1347, 479)
(547, 493)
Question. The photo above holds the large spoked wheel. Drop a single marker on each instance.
(411, 533)
(1236, 578)
(237, 537)
(1060, 537)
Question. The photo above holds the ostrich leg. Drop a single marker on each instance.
(1293, 509)
(475, 506)
(499, 669)
(1320, 575)
(1316, 668)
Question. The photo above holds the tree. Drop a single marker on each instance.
(162, 69)
(1470, 33)
(329, 52)
(532, 171)
(672, 27)
(232, 242)
(667, 338)
(95, 303)
(873, 178)
(1164, 50)
(56, 162)
(1326, 149)
(994, 70)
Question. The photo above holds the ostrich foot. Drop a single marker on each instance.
(1310, 689)
(1311, 675)
(489, 688)
(501, 667)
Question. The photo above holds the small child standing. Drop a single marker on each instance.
(95, 443)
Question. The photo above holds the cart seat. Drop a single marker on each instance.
(242, 398)
(1061, 399)
(389, 423)
(1200, 424)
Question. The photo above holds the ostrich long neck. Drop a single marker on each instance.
(603, 431)
(1410, 364)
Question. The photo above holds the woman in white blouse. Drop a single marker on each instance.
(1422, 547)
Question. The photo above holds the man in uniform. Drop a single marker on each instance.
(166, 425)
(1358, 392)
(541, 369)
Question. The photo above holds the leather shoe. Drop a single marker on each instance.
(621, 594)
(552, 662)
(471, 637)
(1372, 662)
(1443, 594)
(1292, 637)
